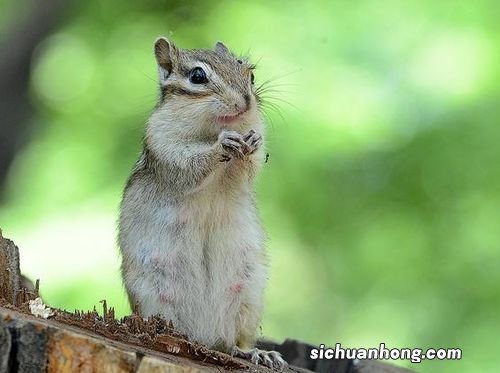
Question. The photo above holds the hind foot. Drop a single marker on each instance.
(270, 359)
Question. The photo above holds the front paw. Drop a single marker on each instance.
(233, 145)
(253, 141)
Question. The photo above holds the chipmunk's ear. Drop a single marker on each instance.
(221, 48)
(165, 53)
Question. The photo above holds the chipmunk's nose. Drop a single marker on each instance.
(241, 107)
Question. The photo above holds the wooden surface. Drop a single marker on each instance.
(10, 274)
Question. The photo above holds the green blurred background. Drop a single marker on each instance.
(381, 197)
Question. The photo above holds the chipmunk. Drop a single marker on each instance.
(190, 238)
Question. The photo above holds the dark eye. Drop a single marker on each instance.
(252, 78)
(198, 76)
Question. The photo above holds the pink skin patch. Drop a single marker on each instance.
(165, 297)
(161, 261)
(156, 259)
(237, 287)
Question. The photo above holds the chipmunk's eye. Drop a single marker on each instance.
(252, 78)
(198, 76)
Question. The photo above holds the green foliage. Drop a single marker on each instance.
(381, 197)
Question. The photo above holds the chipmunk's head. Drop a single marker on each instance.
(207, 88)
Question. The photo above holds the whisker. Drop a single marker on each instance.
(271, 90)
(273, 107)
(150, 78)
(276, 88)
(269, 118)
(278, 77)
(270, 98)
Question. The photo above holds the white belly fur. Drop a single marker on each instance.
(198, 262)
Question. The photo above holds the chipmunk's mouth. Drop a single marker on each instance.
(231, 118)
